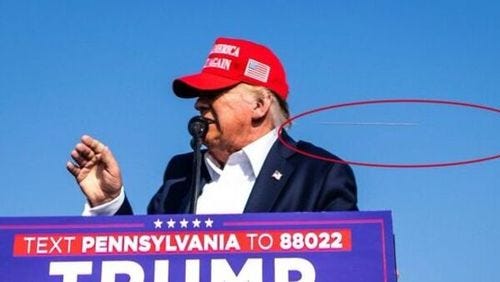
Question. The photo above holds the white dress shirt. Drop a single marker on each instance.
(230, 187)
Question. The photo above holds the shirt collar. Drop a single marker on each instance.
(255, 153)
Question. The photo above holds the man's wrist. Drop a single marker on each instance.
(109, 208)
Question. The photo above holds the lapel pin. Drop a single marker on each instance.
(277, 175)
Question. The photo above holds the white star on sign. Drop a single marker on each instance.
(158, 223)
(208, 223)
(170, 223)
(196, 223)
(184, 223)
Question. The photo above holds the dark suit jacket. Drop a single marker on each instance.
(307, 184)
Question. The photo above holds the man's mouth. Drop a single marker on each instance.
(209, 120)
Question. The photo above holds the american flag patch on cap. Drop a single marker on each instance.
(257, 70)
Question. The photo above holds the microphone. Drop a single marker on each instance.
(197, 127)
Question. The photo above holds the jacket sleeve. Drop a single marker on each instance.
(339, 191)
(125, 208)
(172, 195)
(337, 185)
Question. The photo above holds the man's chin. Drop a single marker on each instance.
(209, 141)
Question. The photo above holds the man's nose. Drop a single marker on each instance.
(202, 104)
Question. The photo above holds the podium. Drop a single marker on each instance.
(280, 247)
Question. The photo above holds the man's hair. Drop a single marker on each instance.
(279, 110)
(279, 107)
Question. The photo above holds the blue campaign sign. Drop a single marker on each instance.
(330, 246)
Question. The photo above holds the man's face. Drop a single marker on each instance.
(231, 113)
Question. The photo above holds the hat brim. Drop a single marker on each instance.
(201, 84)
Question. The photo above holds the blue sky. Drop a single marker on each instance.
(105, 68)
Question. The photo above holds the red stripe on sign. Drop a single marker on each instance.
(143, 243)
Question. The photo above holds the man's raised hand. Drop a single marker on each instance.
(95, 170)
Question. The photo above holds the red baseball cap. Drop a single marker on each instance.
(230, 62)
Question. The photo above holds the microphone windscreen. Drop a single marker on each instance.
(198, 127)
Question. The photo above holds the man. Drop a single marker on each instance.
(242, 92)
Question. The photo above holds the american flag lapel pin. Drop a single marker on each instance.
(277, 175)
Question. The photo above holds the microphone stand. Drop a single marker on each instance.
(197, 127)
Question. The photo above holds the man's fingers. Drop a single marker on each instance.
(108, 158)
(73, 169)
(91, 151)
(94, 144)
(95, 169)
(79, 159)
(98, 150)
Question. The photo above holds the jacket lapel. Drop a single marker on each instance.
(179, 194)
(272, 177)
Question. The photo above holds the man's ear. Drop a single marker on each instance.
(261, 106)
